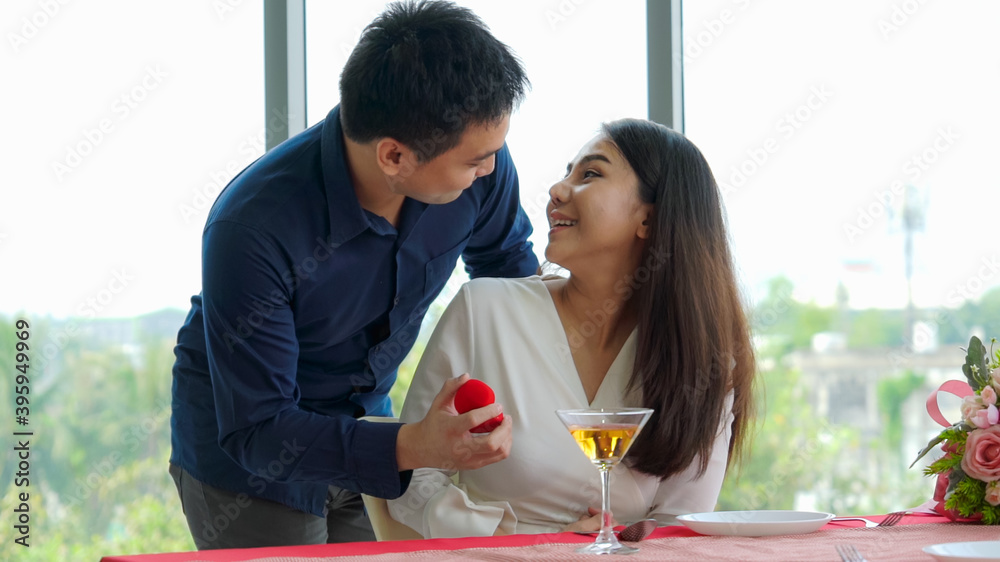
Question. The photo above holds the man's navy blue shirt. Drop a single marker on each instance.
(309, 303)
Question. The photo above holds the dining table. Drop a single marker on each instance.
(903, 541)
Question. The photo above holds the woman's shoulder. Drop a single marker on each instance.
(495, 298)
(500, 289)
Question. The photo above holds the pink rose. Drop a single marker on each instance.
(985, 418)
(993, 493)
(982, 454)
(970, 405)
(988, 395)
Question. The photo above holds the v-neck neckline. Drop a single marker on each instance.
(613, 368)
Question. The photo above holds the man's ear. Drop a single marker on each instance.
(392, 157)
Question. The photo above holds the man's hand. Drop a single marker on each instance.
(442, 439)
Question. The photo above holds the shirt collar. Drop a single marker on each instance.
(347, 218)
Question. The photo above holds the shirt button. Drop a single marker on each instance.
(395, 301)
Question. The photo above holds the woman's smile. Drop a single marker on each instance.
(559, 221)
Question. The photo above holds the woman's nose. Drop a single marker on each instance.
(560, 192)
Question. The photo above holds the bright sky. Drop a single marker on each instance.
(855, 97)
(128, 117)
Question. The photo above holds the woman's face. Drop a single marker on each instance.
(595, 213)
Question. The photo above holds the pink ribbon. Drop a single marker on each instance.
(957, 388)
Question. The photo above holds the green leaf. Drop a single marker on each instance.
(995, 363)
(957, 478)
(966, 497)
(944, 464)
(930, 445)
(956, 433)
(991, 514)
(976, 370)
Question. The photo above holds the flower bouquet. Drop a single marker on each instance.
(968, 474)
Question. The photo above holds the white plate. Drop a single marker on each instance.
(953, 551)
(755, 523)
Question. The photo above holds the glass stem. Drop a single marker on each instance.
(607, 534)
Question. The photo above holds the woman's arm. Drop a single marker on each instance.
(689, 493)
(436, 507)
(433, 504)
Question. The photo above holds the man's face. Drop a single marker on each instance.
(443, 178)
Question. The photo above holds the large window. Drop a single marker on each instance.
(584, 69)
(122, 122)
(854, 143)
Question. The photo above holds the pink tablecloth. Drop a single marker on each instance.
(902, 542)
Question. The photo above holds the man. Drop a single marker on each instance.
(319, 262)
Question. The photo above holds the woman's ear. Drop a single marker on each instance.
(647, 222)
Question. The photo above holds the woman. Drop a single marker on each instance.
(649, 316)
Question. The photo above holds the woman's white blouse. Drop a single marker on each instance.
(507, 333)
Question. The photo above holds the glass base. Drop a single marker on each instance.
(607, 547)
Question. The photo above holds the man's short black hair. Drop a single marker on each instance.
(423, 72)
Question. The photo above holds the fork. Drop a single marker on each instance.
(848, 553)
(868, 522)
(893, 518)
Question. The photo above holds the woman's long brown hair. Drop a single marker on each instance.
(693, 344)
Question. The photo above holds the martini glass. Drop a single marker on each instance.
(605, 436)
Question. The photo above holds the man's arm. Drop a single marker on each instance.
(253, 357)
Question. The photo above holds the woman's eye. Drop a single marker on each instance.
(591, 174)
